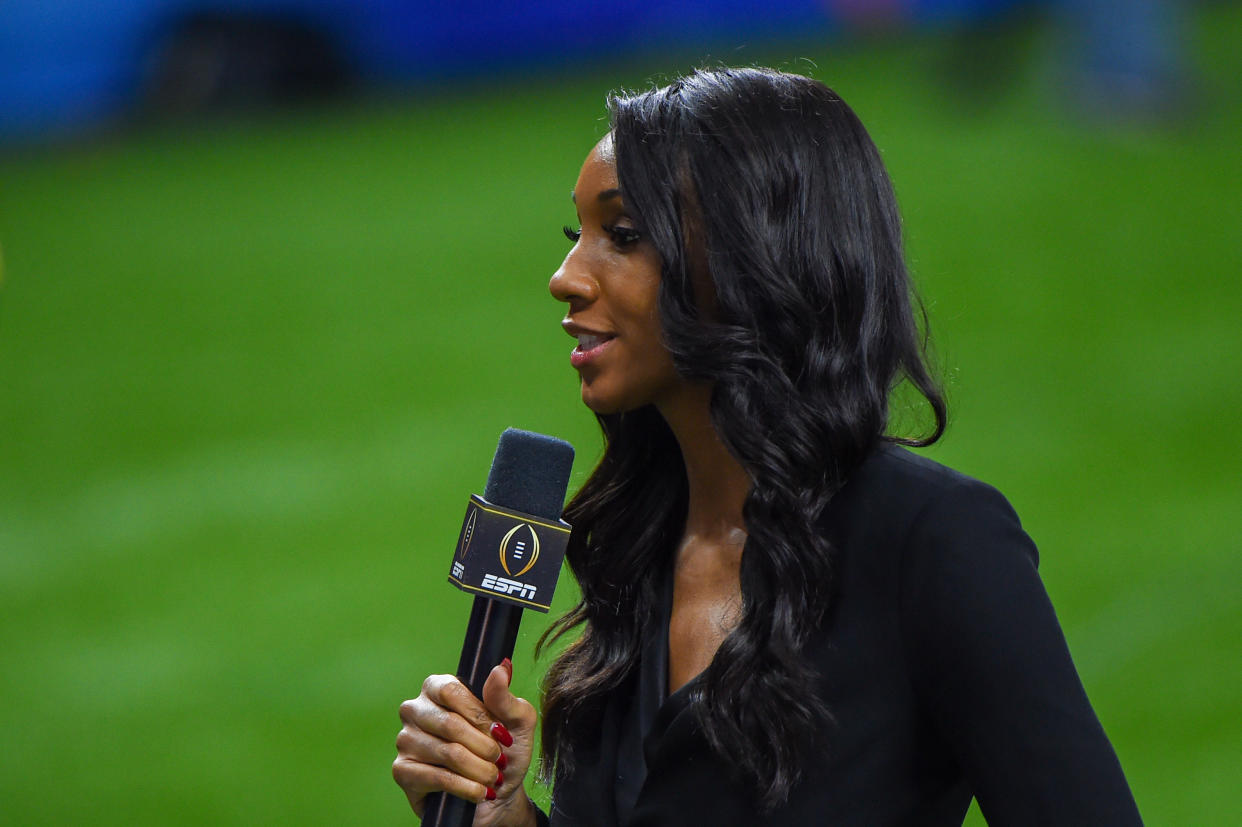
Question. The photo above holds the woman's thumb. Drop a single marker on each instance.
(512, 711)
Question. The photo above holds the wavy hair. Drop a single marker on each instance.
(784, 286)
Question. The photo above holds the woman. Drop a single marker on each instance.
(786, 618)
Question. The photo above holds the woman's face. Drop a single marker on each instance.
(611, 280)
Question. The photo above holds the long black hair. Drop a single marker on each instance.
(784, 286)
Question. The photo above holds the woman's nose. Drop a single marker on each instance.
(572, 282)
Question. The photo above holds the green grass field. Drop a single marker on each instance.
(249, 373)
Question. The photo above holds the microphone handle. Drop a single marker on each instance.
(490, 637)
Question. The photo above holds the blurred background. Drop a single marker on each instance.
(275, 281)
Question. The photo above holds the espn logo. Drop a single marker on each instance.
(507, 586)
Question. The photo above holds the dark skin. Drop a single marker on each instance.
(707, 593)
(610, 281)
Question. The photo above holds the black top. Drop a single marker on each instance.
(941, 661)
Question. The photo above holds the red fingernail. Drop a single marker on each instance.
(501, 734)
(500, 778)
(502, 762)
(491, 794)
(507, 665)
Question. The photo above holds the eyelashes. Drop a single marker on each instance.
(621, 236)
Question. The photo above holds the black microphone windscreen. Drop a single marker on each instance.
(530, 473)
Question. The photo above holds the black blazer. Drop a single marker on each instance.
(941, 661)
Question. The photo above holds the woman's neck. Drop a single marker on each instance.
(718, 485)
(707, 590)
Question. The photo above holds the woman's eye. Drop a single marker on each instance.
(622, 236)
(572, 234)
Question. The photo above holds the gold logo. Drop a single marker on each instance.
(521, 547)
(468, 532)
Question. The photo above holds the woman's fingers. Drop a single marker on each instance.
(448, 710)
(476, 750)
(418, 779)
(446, 744)
(424, 748)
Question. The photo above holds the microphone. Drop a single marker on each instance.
(515, 528)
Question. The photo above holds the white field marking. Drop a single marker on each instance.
(259, 481)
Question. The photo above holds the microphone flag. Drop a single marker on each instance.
(509, 555)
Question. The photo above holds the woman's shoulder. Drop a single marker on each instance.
(911, 482)
(896, 497)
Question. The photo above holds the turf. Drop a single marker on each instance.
(249, 372)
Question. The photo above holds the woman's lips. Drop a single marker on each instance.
(590, 346)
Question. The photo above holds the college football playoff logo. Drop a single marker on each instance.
(529, 549)
(467, 532)
(519, 550)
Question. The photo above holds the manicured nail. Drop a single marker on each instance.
(500, 779)
(507, 665)
(501, 734)
(502, 762)
(491, 794)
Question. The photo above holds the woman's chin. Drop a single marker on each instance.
(601, 406)
(601, 402)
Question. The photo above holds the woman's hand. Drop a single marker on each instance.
(476, 751)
